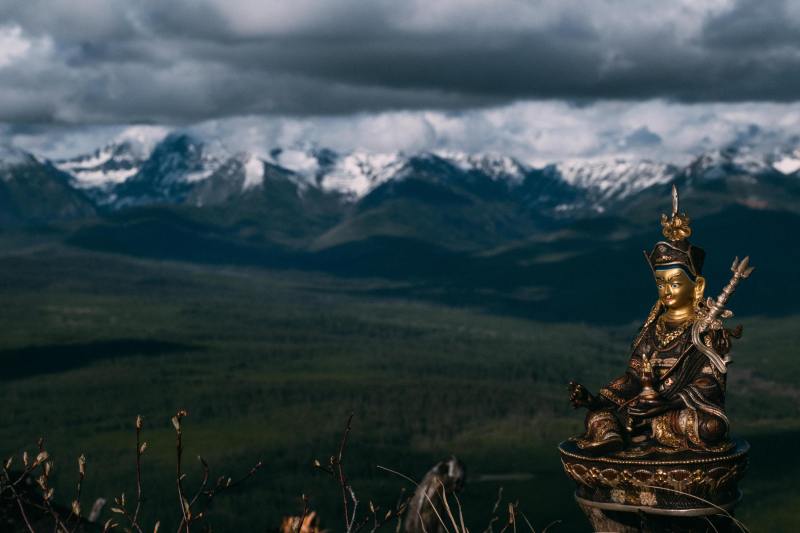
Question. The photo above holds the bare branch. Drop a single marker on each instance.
(140, 448)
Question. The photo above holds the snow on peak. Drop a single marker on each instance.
(253, 172)
(722, 163)
(787, 161)
(356, 174)
(105, 167)
(615, 177)
(787, 165)
(496, 166)
(183, 158)
(169, 163)
(115, 162)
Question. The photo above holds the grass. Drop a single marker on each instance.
(270, 363)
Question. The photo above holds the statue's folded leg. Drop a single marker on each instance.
(689, 428)
(669, 429)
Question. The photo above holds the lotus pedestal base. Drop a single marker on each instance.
(679, 492)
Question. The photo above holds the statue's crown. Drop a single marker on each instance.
(676, 251)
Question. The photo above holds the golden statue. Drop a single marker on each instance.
(671, 398)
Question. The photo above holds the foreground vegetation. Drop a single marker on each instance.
(269, 365)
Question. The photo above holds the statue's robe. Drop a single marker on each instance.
(684, 377)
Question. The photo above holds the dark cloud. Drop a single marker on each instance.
(762, 26)
(181, 62)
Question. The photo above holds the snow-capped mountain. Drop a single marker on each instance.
(786, 161)
(730, 161)
(314, 199)
(496, 166)
(173, 168)
(105, 167)
(114, 163)
(125, 174)
(353, 175)
(179, 168)
(614, 179)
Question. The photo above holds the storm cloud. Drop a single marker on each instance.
(182, 62)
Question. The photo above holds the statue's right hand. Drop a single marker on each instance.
(578, 395)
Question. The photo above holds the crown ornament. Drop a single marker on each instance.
(676, 227)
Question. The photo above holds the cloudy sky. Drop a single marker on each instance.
(540, 80)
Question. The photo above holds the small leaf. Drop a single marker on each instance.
(76, 507)
(139, 422)
(25, 458)
(49, 494)
(155, 529)
(176, 423)
(142, 448)
(82, 465)
(43, 455)
(117, 510)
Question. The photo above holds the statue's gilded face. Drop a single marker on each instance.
(675, 289)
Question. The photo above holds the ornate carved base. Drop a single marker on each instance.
(688, 491)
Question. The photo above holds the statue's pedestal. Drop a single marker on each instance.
(687, 491)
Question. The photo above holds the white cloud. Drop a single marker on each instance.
(534, 131)
(12, 45)
(15, 46)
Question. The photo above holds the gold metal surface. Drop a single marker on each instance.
(676, 227)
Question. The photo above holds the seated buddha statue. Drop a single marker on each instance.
(672, 394)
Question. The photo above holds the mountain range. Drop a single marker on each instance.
(183, 170)
(484, 229)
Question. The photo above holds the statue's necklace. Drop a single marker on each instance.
(665, 336)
